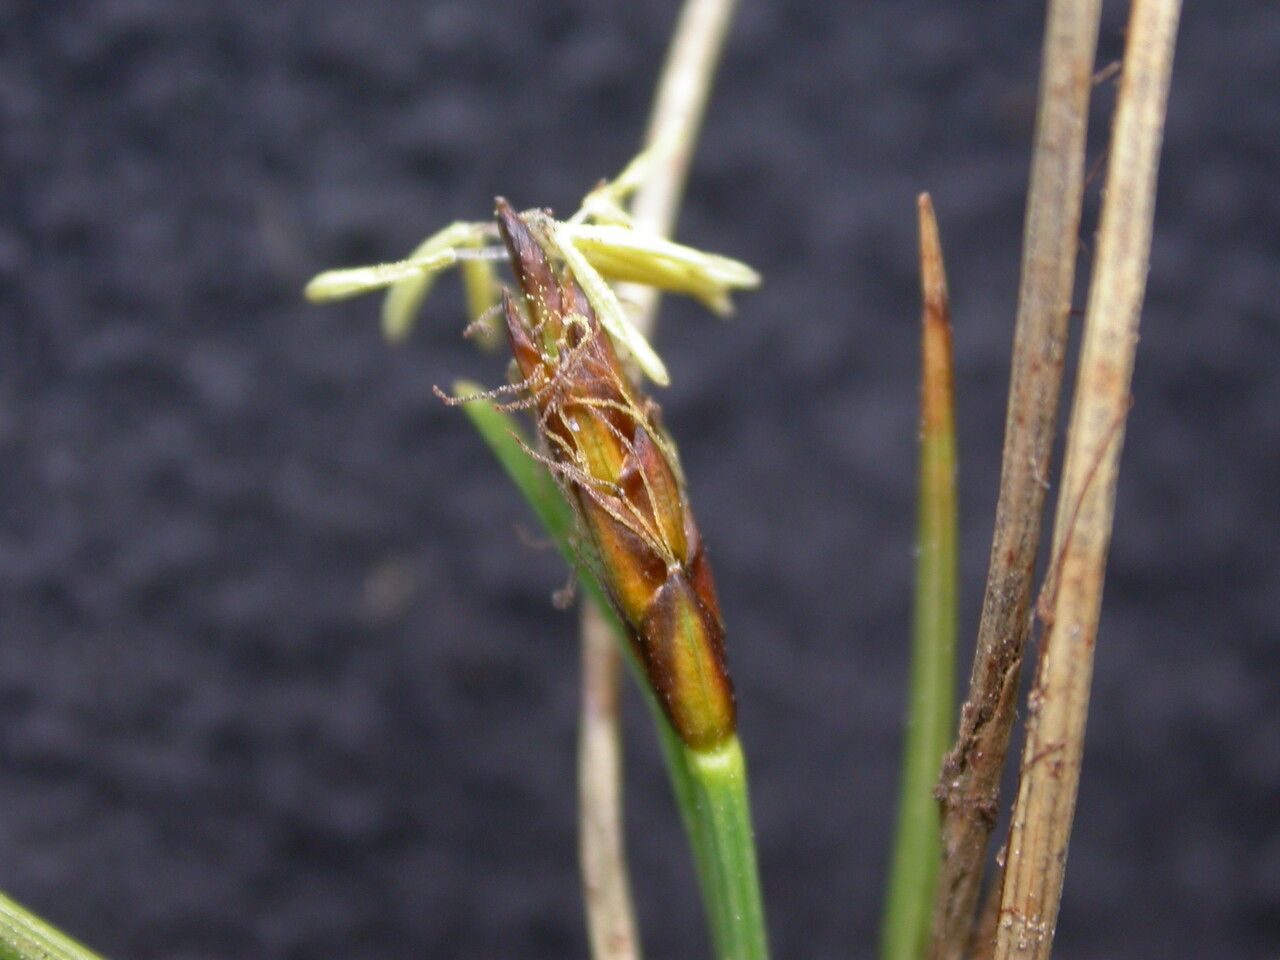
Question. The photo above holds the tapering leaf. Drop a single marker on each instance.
(917, 849)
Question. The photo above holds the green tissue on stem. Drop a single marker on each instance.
(917, 850)
(24, 936)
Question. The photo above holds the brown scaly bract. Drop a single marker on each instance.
(620, 474)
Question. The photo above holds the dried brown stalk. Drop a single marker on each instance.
(970, 782)
(1059, 701)
(678, 109)
(602, 855)
(982, 941)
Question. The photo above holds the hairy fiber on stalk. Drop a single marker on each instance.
(603, 443)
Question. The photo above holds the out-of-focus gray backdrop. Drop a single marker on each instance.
(278, 675)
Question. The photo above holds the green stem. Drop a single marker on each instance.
(24, 936)
(917, 848)
(710, 787)
(730, 880)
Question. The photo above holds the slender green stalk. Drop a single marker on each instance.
(24, 936)
(917, 849)
(710, 786)
(729, 873)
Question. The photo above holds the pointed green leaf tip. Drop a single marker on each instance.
(917, 850)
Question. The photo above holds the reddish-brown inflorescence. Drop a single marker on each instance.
(619, 472)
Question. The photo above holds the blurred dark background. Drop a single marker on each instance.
(278, 675)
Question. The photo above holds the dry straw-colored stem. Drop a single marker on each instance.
(970, 782)
(678, 109)
(601, 850)
(982, 941)
(1059, 700)
(679, 105)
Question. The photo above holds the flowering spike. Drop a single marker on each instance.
(528, 357)
(602, 442)
(532, 269)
